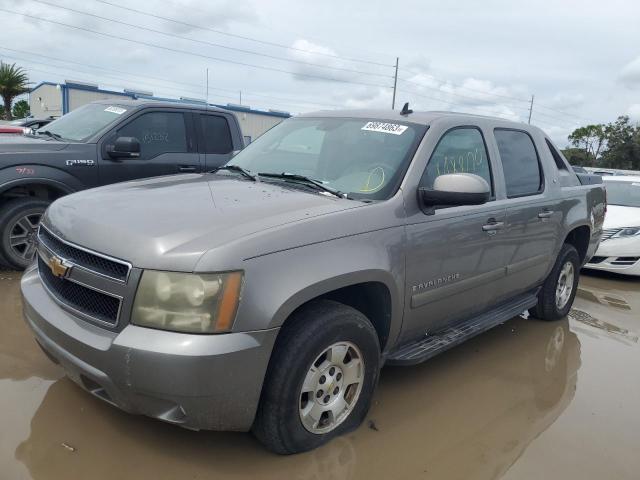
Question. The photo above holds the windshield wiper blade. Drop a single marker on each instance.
(235, 168)
(49, 134)
(304, 179)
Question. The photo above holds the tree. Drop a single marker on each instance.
(592, 139)
(20, 109)
(623, 145)
(13, 82)
(577, 156)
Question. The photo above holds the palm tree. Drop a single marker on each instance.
(13, 82)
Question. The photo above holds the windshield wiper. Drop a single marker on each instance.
(235, 168)
(306, 180)
(49, 134)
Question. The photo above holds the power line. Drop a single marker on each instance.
(474, 99)
(212, 44)
(443, 81)
(221, 32)
(300, 103)
(201, 55)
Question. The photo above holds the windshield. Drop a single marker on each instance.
(626, 194)
(363, 158)
(81, 124)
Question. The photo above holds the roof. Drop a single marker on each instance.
(422, 118)
(133, 96)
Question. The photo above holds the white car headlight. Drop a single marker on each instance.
(186, 302)
(627, 232)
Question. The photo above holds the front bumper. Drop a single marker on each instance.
(210, 382)
(619, 255)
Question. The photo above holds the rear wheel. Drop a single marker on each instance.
(559, 289)
(19, 221)
(320, 379)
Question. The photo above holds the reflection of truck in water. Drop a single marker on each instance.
(469, 415)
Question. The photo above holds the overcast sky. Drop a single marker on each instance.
(581, 59)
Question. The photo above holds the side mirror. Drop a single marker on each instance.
(455, 189)
(124, 147)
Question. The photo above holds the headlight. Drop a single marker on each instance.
(185, 302)
(627, 232)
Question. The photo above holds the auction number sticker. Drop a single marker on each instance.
(392, 128)
(116, 110)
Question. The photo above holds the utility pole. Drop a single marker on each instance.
(206, 98)
(240, 97)
(395, 84)
(531, 108)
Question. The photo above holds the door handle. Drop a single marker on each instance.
(545, 214)
(493, 226)
(186, 168)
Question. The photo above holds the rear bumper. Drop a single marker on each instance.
(208, 382)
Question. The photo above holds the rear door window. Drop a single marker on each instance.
(520, 163)
(217, 135)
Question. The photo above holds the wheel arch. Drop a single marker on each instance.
(580, 237)
(371, 292)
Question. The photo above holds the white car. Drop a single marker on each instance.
(619, 249)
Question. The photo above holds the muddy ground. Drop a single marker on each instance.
(527, 400)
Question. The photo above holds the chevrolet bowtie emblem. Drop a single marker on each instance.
(58, 267)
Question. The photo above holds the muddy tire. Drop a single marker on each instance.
(320, 379)
(19, 220)
(559, 289)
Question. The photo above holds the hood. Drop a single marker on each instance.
(25, 144)
(169, 222)
(619, 217)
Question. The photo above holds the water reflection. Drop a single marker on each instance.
(610, 305)
(469, 413)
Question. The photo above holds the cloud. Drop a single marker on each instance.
(211, 14)
(566, 100)
(630, 73)
(634, 112)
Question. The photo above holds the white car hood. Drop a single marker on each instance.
(619, 217)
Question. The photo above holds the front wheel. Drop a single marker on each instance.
(320, 380)
(19, 221)
(559, 289)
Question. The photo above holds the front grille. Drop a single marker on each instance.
(608, 233)
(85, 300)
(82, 258)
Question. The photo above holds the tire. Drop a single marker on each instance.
(550, 306)
(285, 421)
(18, 218)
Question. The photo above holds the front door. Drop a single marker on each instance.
(454, 258)
(166, 147)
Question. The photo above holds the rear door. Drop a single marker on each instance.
(455, 258)
(167, 146)
(533, 216)
(215, 142)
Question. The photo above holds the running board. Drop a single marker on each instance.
(431, 345)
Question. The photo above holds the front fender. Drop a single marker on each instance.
(279, 283)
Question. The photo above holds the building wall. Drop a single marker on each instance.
(45, 101)
(254, 124)
(78, 98)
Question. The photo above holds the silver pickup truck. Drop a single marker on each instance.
(267, 295)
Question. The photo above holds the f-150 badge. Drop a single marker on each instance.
(80, 163)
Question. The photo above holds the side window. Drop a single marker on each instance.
(556, 156)
(217, 136)
(461, 150)
(158, 133)
(520, 162)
